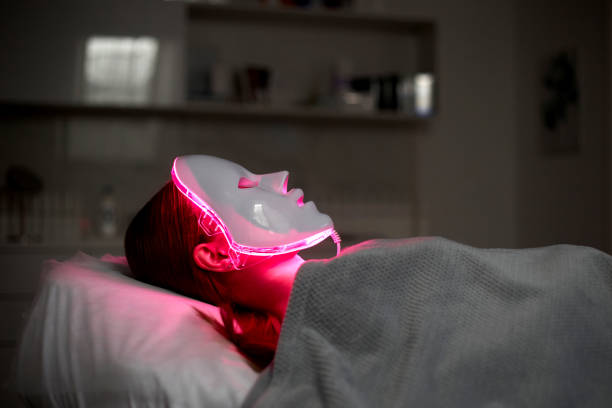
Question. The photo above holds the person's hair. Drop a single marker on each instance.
(159, 244)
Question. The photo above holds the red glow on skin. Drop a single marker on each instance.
(300, 201)
(264, 286)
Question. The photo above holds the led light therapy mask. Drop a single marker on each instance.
(254, 212)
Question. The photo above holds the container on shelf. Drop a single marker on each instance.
(107, 213)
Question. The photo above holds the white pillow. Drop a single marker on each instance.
(96, 337)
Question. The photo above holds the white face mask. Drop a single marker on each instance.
(254, 211)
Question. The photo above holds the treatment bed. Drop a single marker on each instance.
(98, 338)
(424, 322)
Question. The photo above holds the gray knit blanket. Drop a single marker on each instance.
(433, 323)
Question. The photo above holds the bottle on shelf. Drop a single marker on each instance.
(108, 213)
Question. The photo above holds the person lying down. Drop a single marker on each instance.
(414, 322)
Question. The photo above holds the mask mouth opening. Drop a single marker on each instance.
(243, 255)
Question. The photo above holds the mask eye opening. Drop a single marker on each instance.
(245, 182)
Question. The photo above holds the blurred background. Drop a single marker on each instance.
(483, 121)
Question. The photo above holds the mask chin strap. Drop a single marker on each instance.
(239, 260)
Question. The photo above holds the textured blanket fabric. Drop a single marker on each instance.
(433, 323)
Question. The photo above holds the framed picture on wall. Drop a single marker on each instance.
(560, 104)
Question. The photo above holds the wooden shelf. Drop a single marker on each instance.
(310, 15)
(423, 28)
(300, 43)
(209, 110)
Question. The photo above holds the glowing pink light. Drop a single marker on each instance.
(284, 186)
(245, 249)
(247, 183)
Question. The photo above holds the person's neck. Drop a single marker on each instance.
(283, 274)
(266, 286)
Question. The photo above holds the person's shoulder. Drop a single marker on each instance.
(375, 245)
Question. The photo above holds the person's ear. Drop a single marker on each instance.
(212, 257)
